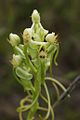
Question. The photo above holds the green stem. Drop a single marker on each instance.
(48, 97)
(26, 99)
(57, 82)
(57, 90)
(51, 58)
(56, 55)
(27, 107)
(43, 98)
(36, 93)
(52, 112)
(42, 108)
(20, 116)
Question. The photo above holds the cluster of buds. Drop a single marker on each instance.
(34, 39)
(33, 56)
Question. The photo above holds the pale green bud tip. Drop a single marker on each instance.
(51, 38)
(16, 60)
(14, 39)
(35, 17)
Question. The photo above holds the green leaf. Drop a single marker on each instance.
(27, 84)
(19, 51)
(28, 61)
(33, 51)
(23, 74)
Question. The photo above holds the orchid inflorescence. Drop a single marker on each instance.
(33, 56)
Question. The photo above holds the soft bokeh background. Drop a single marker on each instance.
(61, 16)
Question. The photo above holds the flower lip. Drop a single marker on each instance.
(42, 54)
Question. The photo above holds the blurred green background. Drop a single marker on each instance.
(59, 16)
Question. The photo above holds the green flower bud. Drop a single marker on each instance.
(27, 35)
(16, 60)
(51, 38)
(14, 39)
(35, 17)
